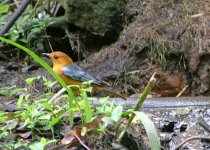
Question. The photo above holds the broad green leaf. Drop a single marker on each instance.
(36, 146)
(149, 126)
(116, 113)
(108, 120)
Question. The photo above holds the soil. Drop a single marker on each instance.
(167, 37)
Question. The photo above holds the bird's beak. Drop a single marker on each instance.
(45, 55)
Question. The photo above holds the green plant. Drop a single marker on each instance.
(149, 126)
(42, 116)
(11, 91)
(71, 97)
(4, 8)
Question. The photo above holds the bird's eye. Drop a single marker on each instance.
(56, 57)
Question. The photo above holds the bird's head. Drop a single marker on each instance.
(58, 58)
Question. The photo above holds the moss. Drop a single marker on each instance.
(98, 17)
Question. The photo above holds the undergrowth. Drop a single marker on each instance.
(41, 121)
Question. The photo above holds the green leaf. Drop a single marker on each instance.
(12, 125)
(30, 80)
(45, 117)
(71, 96)
(54, 121)
(149, 126)
(36, 146)
(43, 141)
(101, 128)
(89, 89)
(3, 91)
(17, 90)
(103, 100)
(4, 8)
(20, 100)
(48, 106)
(3, 116)
(108, 120)
(52, 141)
(27, 96)
(87, 82)
(87, 107)
(116, 113)
(84, 131)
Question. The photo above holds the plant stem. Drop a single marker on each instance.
(139, 103)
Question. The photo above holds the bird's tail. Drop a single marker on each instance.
(112, 92)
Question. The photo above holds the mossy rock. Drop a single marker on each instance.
(96, 16)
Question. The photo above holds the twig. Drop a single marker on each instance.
(14, 17)
(190, 139)
(17, 3)
(117, 128)
(48, 40)
(83, 144)
(38, 3)
(139, 103)
(182, 91)
(204, 124)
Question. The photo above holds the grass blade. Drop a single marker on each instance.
(49, 69)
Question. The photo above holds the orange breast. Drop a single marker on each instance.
(66, 79)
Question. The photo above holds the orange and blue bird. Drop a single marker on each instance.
(72, 74)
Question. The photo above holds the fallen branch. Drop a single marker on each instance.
(182, 91)
(14, 17)
(190, 139)
(161, 102)
(204, 124)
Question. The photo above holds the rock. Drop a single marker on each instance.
(98, 17)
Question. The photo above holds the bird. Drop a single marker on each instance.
(72, 74)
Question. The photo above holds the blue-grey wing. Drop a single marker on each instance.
(77, 73)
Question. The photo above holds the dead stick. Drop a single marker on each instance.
(182, 91)
(204, 124)
(190, 139)
(14, 17)
(83, 144)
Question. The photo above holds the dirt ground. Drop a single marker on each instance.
(169, 37)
